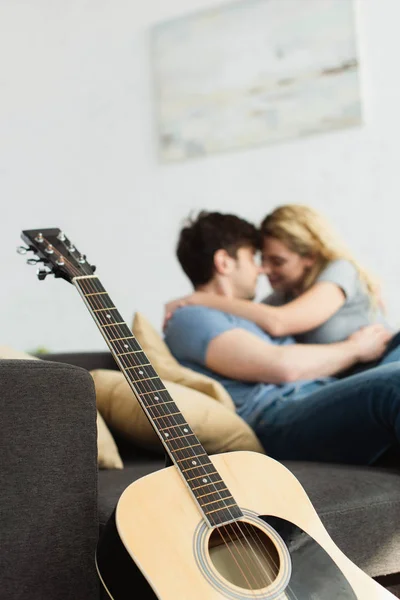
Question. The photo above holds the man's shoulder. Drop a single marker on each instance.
(197, 316)
(192, 328)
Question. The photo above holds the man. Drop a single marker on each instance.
(285, 391)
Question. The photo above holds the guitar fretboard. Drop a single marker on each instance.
(182, 445)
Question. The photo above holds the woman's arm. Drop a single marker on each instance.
(311, 309)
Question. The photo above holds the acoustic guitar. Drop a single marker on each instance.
(236, 526)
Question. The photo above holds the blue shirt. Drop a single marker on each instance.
(189, 332)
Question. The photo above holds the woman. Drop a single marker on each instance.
(320, 293)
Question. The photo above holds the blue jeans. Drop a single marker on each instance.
(352, 420)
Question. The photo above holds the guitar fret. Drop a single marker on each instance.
(128, 368)
(131, 337)
(200, 476)
(209, 512)
(215, 492)
(199, 466)
(179, 437)
(172, 427)
(95, 294)
(208, 483)
(134, 352)
(167, 415)
(101, 309)
(156, 392)
(214, 502)
(146, 378)
(183, 447)
(160, 404)
(112, 324)
(191, 457)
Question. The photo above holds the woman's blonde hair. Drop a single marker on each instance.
(304, 231)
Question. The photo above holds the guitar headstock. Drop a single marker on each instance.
(55, 251)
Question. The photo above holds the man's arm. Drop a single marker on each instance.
(240, 355)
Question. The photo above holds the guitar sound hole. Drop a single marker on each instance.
(244, 555)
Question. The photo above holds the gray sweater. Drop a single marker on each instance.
(355, 313)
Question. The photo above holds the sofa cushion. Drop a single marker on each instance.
(169, 368)
(107, 451)
(218, 429)
(359, 506)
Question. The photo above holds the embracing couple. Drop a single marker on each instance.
(314, 369)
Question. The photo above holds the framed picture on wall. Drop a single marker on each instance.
(254, 72)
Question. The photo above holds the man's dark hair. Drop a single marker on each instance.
(201, 237)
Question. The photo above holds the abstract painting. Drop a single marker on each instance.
(254, 72)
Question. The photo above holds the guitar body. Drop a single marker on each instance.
(157, 546)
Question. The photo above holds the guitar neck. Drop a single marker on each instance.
(178, 439)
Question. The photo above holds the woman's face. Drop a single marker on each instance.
(285, 269)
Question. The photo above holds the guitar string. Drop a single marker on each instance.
(110, 324)
(260, 544)
(177, 449)
(87, 288)
(76, 271)
(222, 500)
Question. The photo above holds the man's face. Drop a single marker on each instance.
(245, 274)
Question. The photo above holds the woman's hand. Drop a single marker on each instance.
(371, 342)
(173, 305)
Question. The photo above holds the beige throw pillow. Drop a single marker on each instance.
(107, 452)
(169, 368)
(11, 353)
(218, 429)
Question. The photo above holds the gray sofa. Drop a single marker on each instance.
(53, 502)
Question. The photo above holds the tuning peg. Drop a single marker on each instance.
(23, 250)
(42, 274)
(33, 261)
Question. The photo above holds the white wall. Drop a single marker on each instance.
(77, 151)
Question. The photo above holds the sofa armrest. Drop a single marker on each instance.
(48, 482)
(87, 360)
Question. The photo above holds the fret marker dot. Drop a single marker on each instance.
(156, 398)
(126, 346)
(166, 434)
(140, 372)
(205, 480)
(185, 430)
(108, 316)
(194, 462)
